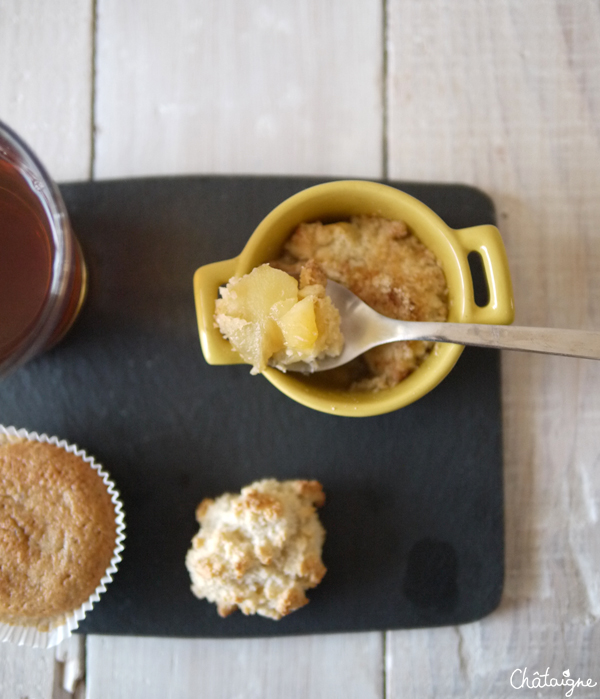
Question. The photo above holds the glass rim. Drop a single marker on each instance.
(45, 189)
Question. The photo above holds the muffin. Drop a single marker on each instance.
(260, 550)
(62, 528)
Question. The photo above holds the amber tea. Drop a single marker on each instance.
(42, 275)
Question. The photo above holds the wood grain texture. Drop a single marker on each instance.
(502, 94)
(505, 95)
(69, 672)
(319, 667)
(46, 80)
(32, 673)
(25, 672)
(46, 96)
(260, 87)
(246, 87)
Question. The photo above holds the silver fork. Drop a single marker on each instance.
(364, 328)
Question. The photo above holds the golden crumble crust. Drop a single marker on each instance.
(57, 531)
(389, 268)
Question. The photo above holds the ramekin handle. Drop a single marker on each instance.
(207, 280)
(486, 241)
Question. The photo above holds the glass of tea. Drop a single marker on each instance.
(42, 271)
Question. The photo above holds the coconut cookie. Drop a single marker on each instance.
(260, 550)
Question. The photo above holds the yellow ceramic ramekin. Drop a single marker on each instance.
(335, 201)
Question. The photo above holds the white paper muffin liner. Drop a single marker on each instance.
(63, 626)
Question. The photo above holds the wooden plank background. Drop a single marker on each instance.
(501, 94)
(233, 86)
(509, 100)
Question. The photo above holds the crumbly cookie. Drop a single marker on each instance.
(260, 550)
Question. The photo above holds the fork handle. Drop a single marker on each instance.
(569, 343)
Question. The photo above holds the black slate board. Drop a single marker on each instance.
(414, 515)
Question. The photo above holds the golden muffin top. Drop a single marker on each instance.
(57, 531)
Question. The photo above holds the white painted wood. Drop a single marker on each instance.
(313, 667)
(46, 96)
(235, 86)
(46, 80)
(69, 672)
(505, 95)
(270, 86)
(31, 673)
(25, 672)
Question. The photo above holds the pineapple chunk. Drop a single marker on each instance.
(266, 318)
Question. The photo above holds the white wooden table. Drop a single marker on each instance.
(501, 94)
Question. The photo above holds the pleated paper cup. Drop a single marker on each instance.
(45, 632)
